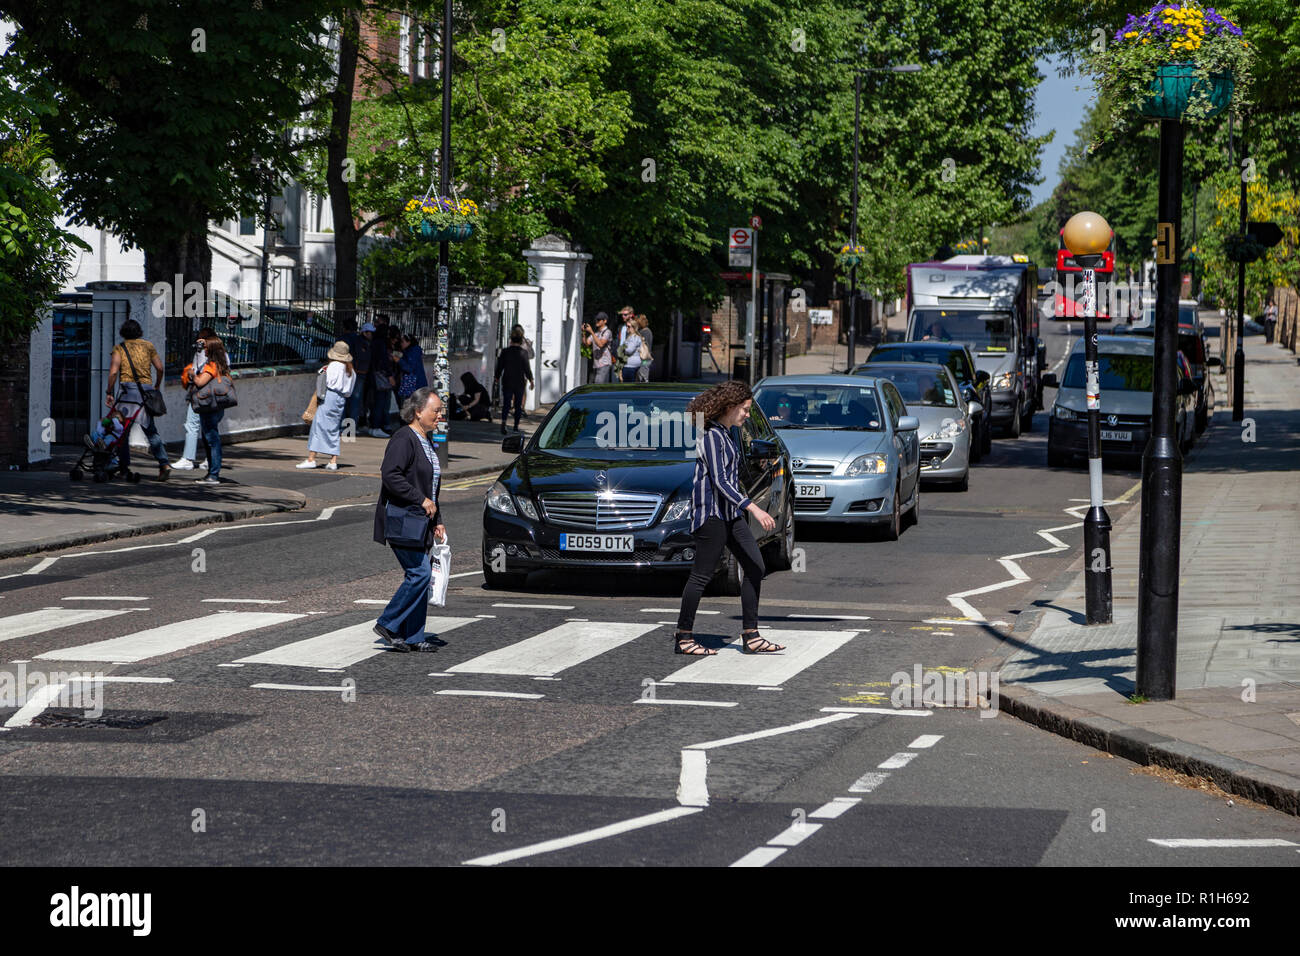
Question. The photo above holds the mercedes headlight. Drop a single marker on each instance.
(868, 465)
(678, 510)
(527, 507)
(949, 428)
(499, 499)
(1003, 382)
(1064, 414)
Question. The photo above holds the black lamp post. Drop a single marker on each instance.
(853, 228)
(443, 329)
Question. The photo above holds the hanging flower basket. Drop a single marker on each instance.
(1176, 61)
(850, 257)
(441, 218)
(1177, 86)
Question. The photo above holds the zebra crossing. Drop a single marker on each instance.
(546, 655)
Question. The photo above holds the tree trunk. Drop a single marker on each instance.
(337, 177)
(188, 256)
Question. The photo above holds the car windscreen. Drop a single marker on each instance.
(982, 331)
(618, 426)
(1187, 315)
(1119, 373)
(820, 406)
(946, 357)
(919, 387)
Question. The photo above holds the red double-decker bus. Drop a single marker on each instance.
(1069, 280)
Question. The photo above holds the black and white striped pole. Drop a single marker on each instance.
(1087, 235)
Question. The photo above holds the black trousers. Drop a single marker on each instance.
(511, 397)
(710, 539)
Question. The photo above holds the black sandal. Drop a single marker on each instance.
(689, 645)
(757, 644)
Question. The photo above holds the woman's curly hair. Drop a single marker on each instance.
(713, 402)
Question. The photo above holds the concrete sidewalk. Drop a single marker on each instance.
(1236, 718)
(42, 510)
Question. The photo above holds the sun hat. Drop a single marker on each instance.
(339, 353)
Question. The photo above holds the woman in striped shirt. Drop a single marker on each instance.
(718, 507)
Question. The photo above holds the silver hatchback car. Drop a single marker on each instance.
(853, 447)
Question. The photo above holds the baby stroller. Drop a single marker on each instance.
(105, 464)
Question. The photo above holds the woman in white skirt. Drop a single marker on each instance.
(326, 427)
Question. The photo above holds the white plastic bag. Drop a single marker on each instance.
(440, 565)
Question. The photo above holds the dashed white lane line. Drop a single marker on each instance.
(587, 836)
(924, 741)
(828, 617)
(490, 693)
(868, 782)
(671, 610)
(794, 834)
(1220, 843)
(332, 690)
(688, 703)
(241, 601)
(537, 607)
(834, 809)
(900, 712)
(103, 597)
(895, 762)
(760, 857)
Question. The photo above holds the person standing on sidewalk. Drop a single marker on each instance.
(718, 508)
(190, 456)
(514, 375)
(215, 366)
(527, 343)
(598, 340)
(410, 369)
(359, 345)
(327, 425)
(381, 379)
(408, 520)
(647, 351)
(131, 370)
(630, 350)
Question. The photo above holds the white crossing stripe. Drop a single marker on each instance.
(51, 619)
(925, 740)
(730, 666)
(341, 648)
(829, 811)
(587, 836)
(169, 638)
(549, 653)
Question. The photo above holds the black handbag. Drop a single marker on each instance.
(153, 399)
(405, 527)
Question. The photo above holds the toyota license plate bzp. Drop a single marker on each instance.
(595, 542)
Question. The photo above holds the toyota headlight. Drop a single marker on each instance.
(1003, 382)
(868, 465)
(949, 428)
(678, 510)
(500, 499)
(1064, 414)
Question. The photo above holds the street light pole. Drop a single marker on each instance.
(1162, 464)
(1239, 356)
(853, 229)
(443, 328)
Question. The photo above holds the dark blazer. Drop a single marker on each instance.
(407, 475)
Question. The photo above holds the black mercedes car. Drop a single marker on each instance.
(605, 484)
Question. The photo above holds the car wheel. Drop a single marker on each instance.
(1013, 427)
(726, 583)
(1202, 420)
(974, 453)
(986, 443)
(914, 512)
(503, 580)
(894, 529)
(780, 553)
(964, 484)
(1027, 420)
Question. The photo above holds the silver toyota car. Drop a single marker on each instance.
(947, 421)
(853, 447)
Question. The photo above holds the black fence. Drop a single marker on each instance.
(299, 331)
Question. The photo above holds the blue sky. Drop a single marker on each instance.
(1059, 107)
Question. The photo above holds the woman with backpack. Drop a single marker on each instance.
(216, 366)
(327, 423)
(718, 507)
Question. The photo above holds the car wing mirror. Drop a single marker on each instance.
(514, 444)
(974, 408)
(763, 448)
(1213, 361)
(1049, 380)
(909, 423)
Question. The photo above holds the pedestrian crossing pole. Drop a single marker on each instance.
(1087, 235)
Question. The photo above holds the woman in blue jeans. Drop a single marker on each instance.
(193, 426)
(216, 366)
(408, 505)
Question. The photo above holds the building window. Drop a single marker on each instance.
(421, 53)
(248, 225)
(404, 45)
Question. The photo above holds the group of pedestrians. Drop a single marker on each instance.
(135, 377)
(631, 358)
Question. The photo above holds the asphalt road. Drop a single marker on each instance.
(589, 744)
